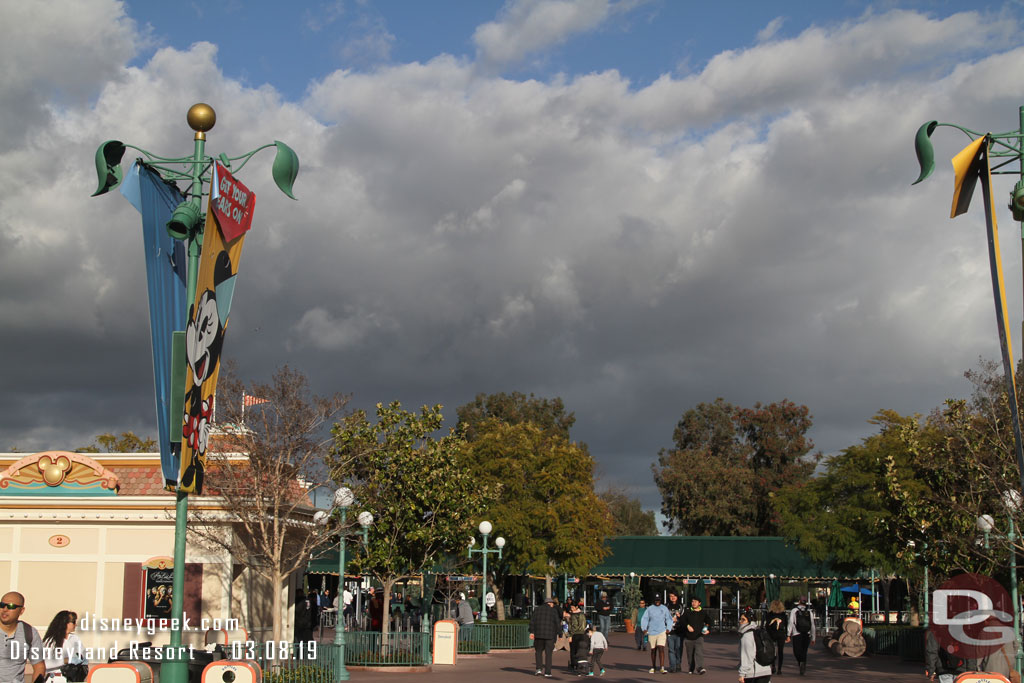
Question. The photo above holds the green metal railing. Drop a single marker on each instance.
(315, 662)
(906, 642)
(474, 640)
(507, 636)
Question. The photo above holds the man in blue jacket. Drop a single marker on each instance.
(656, 623)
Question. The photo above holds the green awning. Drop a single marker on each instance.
(709, 556)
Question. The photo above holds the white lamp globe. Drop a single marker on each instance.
(500, 542)
(343, 497)
(365, 518)
(321, 517)
(986, 523)
(485, 527)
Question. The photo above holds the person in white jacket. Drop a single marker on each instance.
(750, 671)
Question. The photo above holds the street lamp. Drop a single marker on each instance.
(986, 524)
(343, 499)
(485, 530)
(186, 224)
(924, 558)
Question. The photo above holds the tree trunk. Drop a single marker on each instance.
(276, 582)
(547, 586)
(499, 604)
(385, 618)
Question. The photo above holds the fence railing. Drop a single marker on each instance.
(906, 642)
(474, 640)
(505, 636)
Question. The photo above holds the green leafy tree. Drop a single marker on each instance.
(545, 505)
(728, 462)
(424, 504)
(127, 442)
(516, 408)
(628, 516)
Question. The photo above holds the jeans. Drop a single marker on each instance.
(675, 651)
(800, 643)
(604, 623)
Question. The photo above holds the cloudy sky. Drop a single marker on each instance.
(635, 206)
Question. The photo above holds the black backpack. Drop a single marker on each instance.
(803, 621)
(764, 647)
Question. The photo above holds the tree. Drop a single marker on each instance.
(515, 408)
(266, 496)
(423, 502)
(628, 516)
(728, 462)
(128, 442)
(544, 502)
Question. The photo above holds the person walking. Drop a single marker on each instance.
(598, 645)
(579, 648)
(545, 626)
(801, 632)
(776, 625)
(750, 671)
(656, 623)
(638, 633)
(675, 638)
(27, 647)
(604, 613)
(62, 649)
(696, 624)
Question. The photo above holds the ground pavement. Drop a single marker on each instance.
(623, 662)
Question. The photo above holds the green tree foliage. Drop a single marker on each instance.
(628, 516)
(516, 408)
(728, 462)
(127, 442)
(424, 503)
(545, 505)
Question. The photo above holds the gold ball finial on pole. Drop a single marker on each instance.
(201, 118)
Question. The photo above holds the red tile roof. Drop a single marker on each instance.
(139, 480)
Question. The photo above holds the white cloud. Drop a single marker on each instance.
(747, 231)
(528, 26)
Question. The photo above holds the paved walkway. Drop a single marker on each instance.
(623, 662)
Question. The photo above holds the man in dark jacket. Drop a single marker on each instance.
(545, 625)
(696, 623)
(604, 614)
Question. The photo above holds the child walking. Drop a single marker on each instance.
(598, 644)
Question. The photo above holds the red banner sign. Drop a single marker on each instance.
(232, 205)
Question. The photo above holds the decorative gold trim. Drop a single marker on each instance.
(53, 468)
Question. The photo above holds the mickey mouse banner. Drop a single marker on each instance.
(204, 336)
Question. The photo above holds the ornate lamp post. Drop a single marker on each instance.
(986, 524)
(343, 499)
(187, 225)
(485, 530)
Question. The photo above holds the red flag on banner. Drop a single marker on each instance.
(248, 401)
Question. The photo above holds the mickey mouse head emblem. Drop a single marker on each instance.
(54, 471)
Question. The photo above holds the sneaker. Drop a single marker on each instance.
(539, 673)
(651, 670)
(602, 672)
(664, 670)
(591, 673)
(702, 672)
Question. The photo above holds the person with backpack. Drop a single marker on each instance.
(776, 625)
(801, 632)
(23, 642)
(579, 643)
(756, 653)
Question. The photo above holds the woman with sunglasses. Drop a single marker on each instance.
(62, 647)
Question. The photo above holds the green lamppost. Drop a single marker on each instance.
(187, 225)
(343, 499)
(986, 524)
(485, 530)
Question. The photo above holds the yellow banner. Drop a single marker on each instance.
(204, 341)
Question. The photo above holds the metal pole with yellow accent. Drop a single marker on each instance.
(187, 225)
